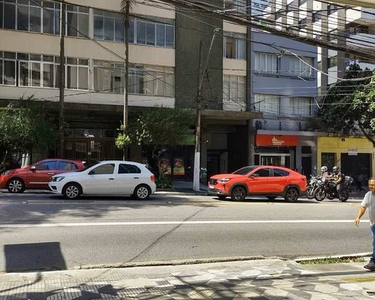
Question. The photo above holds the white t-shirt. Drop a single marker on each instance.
(369, 203)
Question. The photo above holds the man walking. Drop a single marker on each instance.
(369, 202)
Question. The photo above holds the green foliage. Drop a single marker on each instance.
(349, 105)
(25, 125)
(161, 126)
(122, 140)
(163, 183)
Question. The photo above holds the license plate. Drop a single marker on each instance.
(210, 186)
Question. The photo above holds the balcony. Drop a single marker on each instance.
(364, 16)
(366, 40)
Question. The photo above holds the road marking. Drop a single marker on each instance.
(174, 223)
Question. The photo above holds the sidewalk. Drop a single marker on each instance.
(272, 279)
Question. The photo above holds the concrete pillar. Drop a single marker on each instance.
(298, 162)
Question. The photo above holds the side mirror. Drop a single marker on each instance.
(33, 168)
(254, 175)
(91, 173)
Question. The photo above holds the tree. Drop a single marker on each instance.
(160, 127)
(24, 126)
(348, 106)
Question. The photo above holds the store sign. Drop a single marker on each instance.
(276, 140)
(352, 151)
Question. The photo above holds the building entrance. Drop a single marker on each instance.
(281, 160)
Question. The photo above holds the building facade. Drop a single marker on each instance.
(249, 91)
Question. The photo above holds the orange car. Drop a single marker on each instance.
(269, 181)
(37, 176)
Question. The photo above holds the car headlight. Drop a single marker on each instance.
(57, 178)
(223, 180)
(5, 173)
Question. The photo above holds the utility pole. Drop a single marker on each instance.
(125, 8)
(197, 155)
(62, 79)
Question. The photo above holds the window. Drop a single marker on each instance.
(7, 68)
(262, 173)
(41, 70)
(302, 23)
(159, 33)
(128, 169)
(316, 16)
(332, 61)
(103, 169)
(51, 17)
(301, 66)
(234, 89)
(108, 26)
(235, 5)
(77, 73)
(268, 104)
(266, 63)
(77, 21)
(333, 35)
(65, 165)
(301, 2)
(47, 165)
(301, 106)
(234, 46)
(280, 173)
(332, 8)
(43, 17)
(144, 80)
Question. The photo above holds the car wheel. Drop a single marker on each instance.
(142, 192)
(222, 197)
(238, 193)
(72, 191)
(16, 185)
(292, 195)
(271, 198)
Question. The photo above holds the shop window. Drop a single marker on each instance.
(328, 159)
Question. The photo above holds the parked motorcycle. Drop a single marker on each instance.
(312, 187)
(328, 189)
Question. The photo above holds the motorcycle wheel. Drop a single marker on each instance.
(344, 195)
(320, 194)
(310, 192)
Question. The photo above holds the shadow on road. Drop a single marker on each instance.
(33, 257)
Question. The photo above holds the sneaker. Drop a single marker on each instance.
(370, 266)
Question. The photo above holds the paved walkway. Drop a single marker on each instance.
(271, 279)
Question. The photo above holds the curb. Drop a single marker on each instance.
(171, 262)
(340, 256)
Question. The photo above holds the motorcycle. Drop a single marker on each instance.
(328, 189)
(312, 187)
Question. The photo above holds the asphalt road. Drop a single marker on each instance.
(44, 232)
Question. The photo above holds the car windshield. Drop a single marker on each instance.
(244, 170)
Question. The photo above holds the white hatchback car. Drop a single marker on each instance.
(113, 177)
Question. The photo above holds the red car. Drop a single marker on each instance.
(269, 181)
(37, 176)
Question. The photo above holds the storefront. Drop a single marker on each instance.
(354, 156)
(292, 149)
